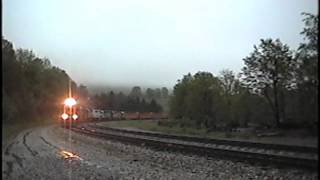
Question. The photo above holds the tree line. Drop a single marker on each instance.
(277, 87)
(135, 101)
(32, 87)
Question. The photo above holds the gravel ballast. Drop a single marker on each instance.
(106, 159)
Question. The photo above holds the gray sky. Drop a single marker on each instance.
(149, 42)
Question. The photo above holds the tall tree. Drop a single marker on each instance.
(200, 99)
(136, 92)
(228, 81)
(307, 69)
(180, 91)
(154, 107)
(197, 98)
(164, 92)
(111, 100)
(121, 98)
(229, 85)
(157, 93)
(150, 93)
(269, 71)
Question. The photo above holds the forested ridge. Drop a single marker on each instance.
(32, 87)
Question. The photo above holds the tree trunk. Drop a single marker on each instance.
(271, 103)
(282, 106)
(275, 91)
(276, 104)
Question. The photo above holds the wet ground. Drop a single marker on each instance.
(55, 153)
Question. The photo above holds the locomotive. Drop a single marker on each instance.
(70, 113)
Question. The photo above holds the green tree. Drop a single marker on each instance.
(111, 100)
(143, 106)
(307, 69)
(121, 98)
(269, 71)
(154, 106)
(157, 93)
(231, 89)
(177, 101)
(227, 77)
(198, 99)
(164, 92)
(150, 93)
(136, 92)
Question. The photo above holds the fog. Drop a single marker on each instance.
(119, 44)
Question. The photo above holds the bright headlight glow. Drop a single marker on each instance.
(70, 102)
(64, 116)
(75, 116)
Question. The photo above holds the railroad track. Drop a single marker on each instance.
(272, 154)
(280, 147)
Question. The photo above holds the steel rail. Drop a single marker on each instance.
(291, 148)
(251, 157)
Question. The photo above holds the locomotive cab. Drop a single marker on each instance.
(70, 113)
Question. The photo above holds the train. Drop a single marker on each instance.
(99, 114)
(78, 114)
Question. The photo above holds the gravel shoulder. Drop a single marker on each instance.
(38, 153)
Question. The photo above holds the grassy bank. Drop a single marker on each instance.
(154, 126)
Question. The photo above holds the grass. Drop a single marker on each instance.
(153, 126)
(10, 131)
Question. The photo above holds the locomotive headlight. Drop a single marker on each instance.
(70, 102)
(64, 116)
(74, 116)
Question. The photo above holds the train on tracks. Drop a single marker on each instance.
(74, 113)
(99, 114)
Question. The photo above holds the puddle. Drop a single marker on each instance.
(70, 156)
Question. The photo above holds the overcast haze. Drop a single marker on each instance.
(149, 43)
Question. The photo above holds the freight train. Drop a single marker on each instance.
(77, 114)
(98, 114)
